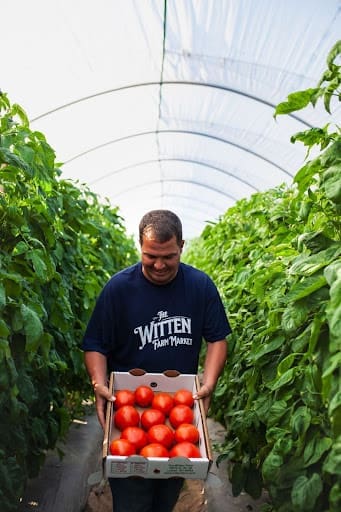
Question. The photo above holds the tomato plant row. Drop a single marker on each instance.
(58, 245)
(276, 258)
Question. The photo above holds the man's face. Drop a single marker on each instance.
(160, 261)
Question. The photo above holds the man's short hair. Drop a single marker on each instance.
(164, 224)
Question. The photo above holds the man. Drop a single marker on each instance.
(154, 315)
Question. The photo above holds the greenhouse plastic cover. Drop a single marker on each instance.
(169, 104)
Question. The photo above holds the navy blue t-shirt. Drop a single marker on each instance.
(138, 324)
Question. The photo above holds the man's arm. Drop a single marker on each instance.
(216, 356)
(96, 365)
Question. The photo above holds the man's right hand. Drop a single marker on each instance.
(96, 365)
(102, 396)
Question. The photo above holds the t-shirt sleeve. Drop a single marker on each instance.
(216, 324)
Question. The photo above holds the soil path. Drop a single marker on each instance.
(191, 499)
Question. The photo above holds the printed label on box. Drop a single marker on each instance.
(139, 468)
(180, 469)
(128, 468)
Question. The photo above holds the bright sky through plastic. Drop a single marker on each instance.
(88, 75)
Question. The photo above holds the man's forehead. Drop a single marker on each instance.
(150, 244)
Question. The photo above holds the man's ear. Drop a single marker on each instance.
(182, 244)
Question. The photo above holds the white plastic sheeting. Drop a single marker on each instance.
(169, 104)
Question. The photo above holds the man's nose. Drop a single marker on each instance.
(159, 264)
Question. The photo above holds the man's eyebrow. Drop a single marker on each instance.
(146, 253)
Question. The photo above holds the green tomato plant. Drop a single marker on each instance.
(276, 259)
(58, 246)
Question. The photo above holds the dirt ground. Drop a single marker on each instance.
(191, 499)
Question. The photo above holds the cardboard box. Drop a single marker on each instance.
(158, 467)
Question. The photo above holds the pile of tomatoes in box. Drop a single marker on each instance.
(156, 424)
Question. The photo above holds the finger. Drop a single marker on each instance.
(103, 391)
(206, 401)
(203, 392)
(101, 417)
(102, 395)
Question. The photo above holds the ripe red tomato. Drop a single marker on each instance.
(136, 435)
(122, 447)
(162, 434)
(124, 397)
(144, 396)
(187, 432)
(151, 417)
(181, 414)
(154, 450)
(185, 449)
(163, 401)
(184, 397)
(126, 416)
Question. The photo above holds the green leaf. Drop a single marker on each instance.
(333, 312)
(308, 265)
(332, 463)
(335, 497)
(333, 364)
(335, 403)
(271, 466)
(301, 340)
(45, 343)
(4, 329)
(315, 241)
(20, 248)
(278, 409)
(335, 291)
(315, 331)
(20, 112)
(333, 54)
(312, 137)
(332, 183)
(295, 101)
(77, 357)
(315, 448)
(283, 445)
(333, 272)
(2, 296)
(334, 322)
(300, 420)
(294, 316)
(306, 287)
(262, 405)
(305, 492)
(259, 350)
(33, 328)
(284, 379)
(285, 364)
(5, 351)
(13, 284)
(38, 264)
(304, 176)
(27, 389)
(332, 155)
(329, 92)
